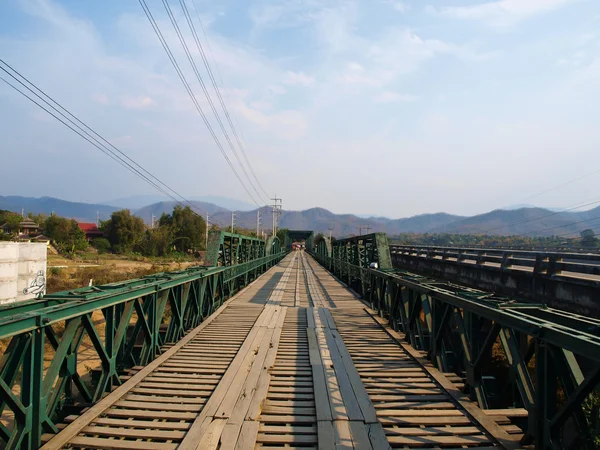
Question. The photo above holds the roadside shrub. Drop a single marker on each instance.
(101, 244)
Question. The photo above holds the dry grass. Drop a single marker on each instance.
(64, 279)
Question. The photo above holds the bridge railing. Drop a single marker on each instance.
(117, 325)
(565, 280)
(540, 262)
(552, 356)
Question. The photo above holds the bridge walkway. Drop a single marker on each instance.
(294, 360)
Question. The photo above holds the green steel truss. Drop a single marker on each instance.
(363, 250)
(553, 357)
(125, 323)
(298, 236)
(227, 249)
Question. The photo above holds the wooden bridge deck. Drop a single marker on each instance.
(292, 361)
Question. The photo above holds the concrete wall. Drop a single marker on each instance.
(22, 270)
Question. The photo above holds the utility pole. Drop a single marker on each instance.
(206, 243)
(98, 219)
(330, 228)
(232, 221)
(277, 203)
(257, 222)
(152, 223)
(363, 228)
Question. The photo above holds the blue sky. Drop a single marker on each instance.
(386, 107)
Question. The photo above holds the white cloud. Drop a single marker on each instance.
(393, 97)
(102, 99)
(298, 79)
(400, 6)
(140, 102)
(502, 12)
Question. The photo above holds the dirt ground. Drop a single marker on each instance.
(66, 274)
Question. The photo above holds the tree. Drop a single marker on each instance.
(65, 233)
(124, 231)
(12, 222)
(281, 233)
(101, 244)
(588, 238)
(187, 227)
(157, 242)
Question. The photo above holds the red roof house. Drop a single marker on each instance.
(91, 230)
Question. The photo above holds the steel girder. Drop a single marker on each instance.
(273, 246)
(568, 281)
(553, 356)
(323, 249)
(227, 249)
(299, 235)
(126, 325)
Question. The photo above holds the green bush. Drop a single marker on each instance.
(101, 244)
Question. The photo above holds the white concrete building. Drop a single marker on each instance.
(22, 270)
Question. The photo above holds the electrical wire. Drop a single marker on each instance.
(89, 134)
(218, 92)
(190, 58)
(186, 85)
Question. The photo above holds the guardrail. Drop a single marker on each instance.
(564, 280)
(553, 356)
(125, 323)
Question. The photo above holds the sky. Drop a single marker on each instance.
(383, 107)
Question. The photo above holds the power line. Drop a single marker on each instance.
(220, 97)
(90, 136)
(186, 85)
(190, 58)
(99, 141)
(237, 122)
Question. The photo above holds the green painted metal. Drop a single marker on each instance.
(227, 249)
(273, 245)
(364, 250)
(139, 317)
(458, 327)
(323, 248)
(298, 236)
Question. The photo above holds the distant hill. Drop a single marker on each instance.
(139, 201)
(84, 212)
(531, 221)
(167, 207)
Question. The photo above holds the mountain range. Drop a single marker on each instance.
(532, 221)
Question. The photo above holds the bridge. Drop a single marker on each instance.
(332, 347)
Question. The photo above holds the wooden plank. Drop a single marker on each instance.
(236, 408)
(360, 437)
(362, 397)
(505, 439)
(141, 424)
(62, 438)
(259, 395)
(377, 436)
(135, 434)
(329, 319)
(310, 316)
(351, 405)
(321, 395)
(91, 442)
(427, 441)
(508, 412)
(247, 438)
(230, 386)
(210, 439)
(343, 436)
(326, 435)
